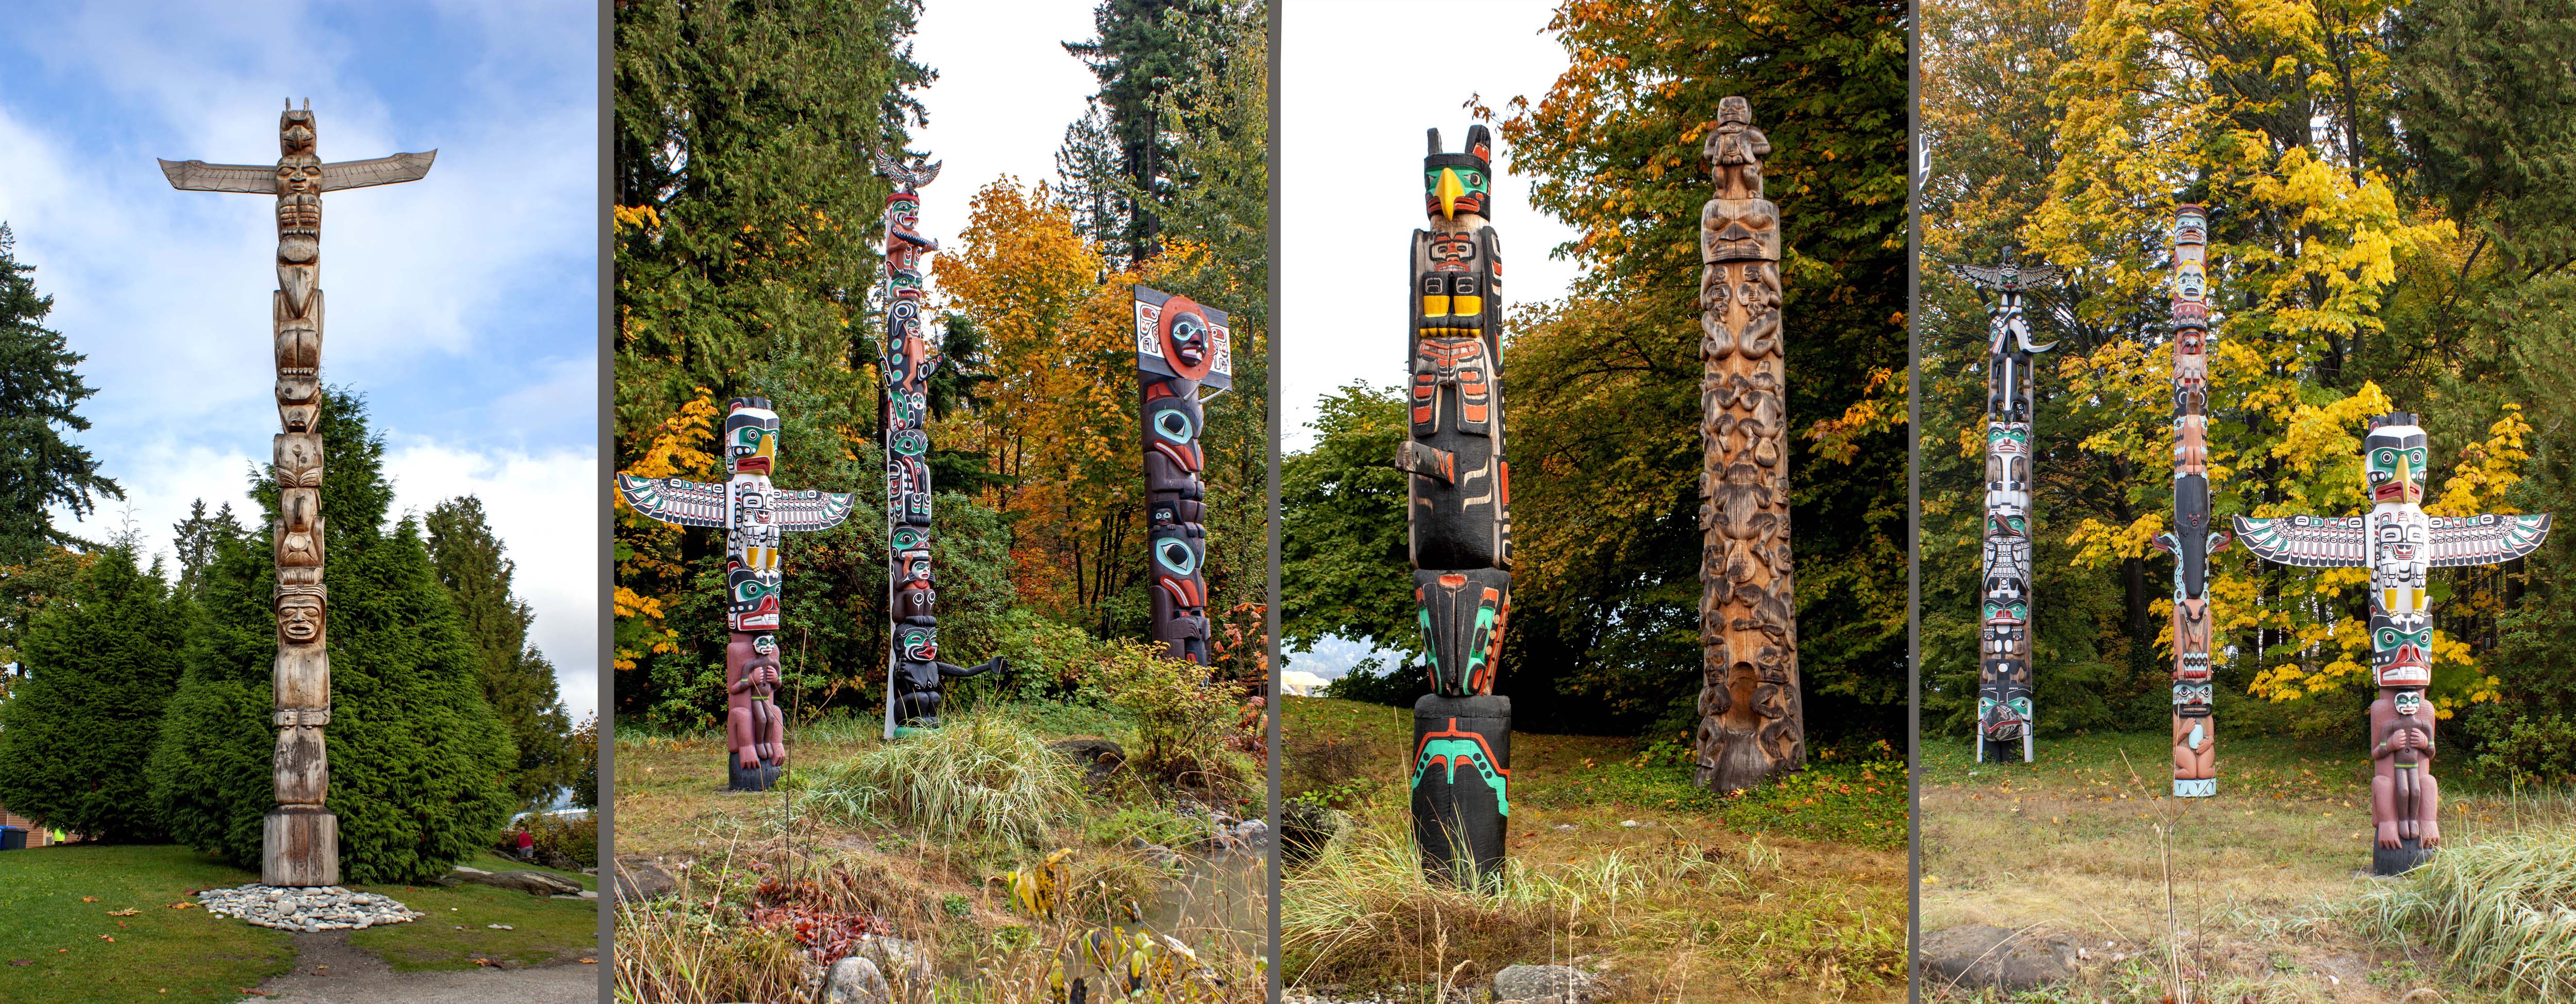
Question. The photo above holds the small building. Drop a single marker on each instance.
(37, 836)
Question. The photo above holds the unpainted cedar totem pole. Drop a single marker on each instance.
(1751, 726)
(299, 839)
(2401, 546)
(1459, 518)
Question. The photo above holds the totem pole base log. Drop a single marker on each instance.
(2407, 857)
(299, 846)
(758, 779)
(2203, 788)
(1462, 784)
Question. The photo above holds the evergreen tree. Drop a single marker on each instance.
(518, 682)
(1139, 55)
(38, 392)
(194, 540)
(78, 728)
(417, 757)
(1088, 173)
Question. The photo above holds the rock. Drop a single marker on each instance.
(1100, 755)
(326, 908)
(534, 883)
(1984, 955)
(855, 980)
(1159, 855)
(643, 878)
(897, 956)
(1544, 985)
(1305, 828)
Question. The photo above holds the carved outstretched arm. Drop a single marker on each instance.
(954, 671)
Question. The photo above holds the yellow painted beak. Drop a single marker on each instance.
(1449, 190)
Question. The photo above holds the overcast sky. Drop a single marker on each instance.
(1359, 82)
(1006, 92)
(462, 305)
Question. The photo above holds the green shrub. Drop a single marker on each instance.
(77, 730)
(1182, 714)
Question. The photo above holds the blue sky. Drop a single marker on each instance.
(463, 305)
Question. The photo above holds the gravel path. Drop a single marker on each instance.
(328, 971)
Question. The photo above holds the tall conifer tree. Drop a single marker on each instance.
(77, 729)
(38, 391)
(518, 682)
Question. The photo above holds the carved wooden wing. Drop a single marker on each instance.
(906, 177)
(380, 171)
(199, 176)
(1983, 275)
(2307, 541)
(671, 500)
(800, 512)
(2485, 539)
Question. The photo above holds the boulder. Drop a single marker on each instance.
(1984, 955)
(898, 957)
(1100, 755)
(1544, 985)
(855, 980)
(1305, 828)
(534, 883)
(643, 878)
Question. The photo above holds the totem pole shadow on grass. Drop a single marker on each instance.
(300, 837)
(2400, 545)
(1459, 517)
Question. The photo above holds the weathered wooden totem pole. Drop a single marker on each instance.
(1181, 348)
(2005, 638)
(2400, 545)
(2195, 745)
(1751, 721)
(754, 516)
(1459, 517)
(300, 839)
(913, 669)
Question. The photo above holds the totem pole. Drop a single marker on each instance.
(2003, 666)
(1459, 519)
(1751, 724)
(300, 839)
(754, 517)
(913, 669)
(2400, 544)
(1181, 347)
(2195, 745)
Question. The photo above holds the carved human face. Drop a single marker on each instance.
(299, 174)
(2401, 648)
(2408, 702)
(918, 642)
(299, 618)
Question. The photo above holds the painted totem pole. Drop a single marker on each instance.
(1751, 724)
(1459, 517)
(754, 517)
(300, 838)
(913, 669)
(1181, 347)
(2003, 666)
(2195, 745)
(2400, 545)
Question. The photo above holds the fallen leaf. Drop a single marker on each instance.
(107, 937)
(89, 899)
(30, 962)
(590, 962)
(122, 913)
(181, 905)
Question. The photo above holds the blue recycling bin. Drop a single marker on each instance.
(13, 838)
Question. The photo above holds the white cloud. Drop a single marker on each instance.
(1357, 88)
(544, 507)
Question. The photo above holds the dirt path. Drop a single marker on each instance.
(328, 971)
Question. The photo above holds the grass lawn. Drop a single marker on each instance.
(2265, 880)
(454, 934)
(1794, 892)
(56, 905)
